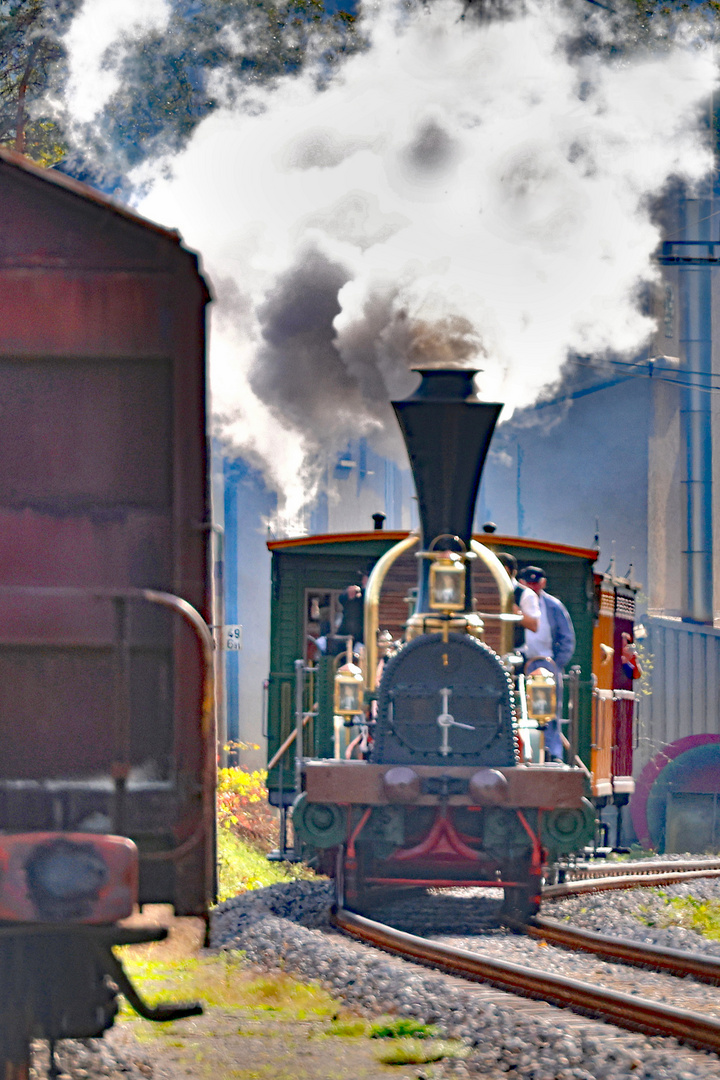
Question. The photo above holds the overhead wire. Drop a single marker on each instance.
(651, 373)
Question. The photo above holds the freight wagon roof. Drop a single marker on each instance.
(490, 539)
(13, 160)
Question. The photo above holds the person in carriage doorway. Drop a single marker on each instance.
(352, 602)
(553, 640)
(526, 602)
(352, 618)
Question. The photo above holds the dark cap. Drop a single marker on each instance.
(531, 573)
(509, 562)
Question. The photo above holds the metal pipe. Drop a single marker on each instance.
(695, 419)
(287, 744)
(299, 722)
(505, 590)
(221, 658)
(208, 722)
(573, 708)
(208, 728)
(372, 603)
(283, 812)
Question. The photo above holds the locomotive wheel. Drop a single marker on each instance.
(520, 901)
(355, 889)
(519, 904)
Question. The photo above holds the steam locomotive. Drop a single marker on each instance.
(106, 695)
(446, 792)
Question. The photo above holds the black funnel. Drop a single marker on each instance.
(447, 432)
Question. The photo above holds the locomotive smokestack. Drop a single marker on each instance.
(447, 432)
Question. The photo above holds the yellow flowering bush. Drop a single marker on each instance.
(243, 806)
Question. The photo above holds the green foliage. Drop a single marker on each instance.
(217, 52)
(703, 916)
(280, 993)
(243, 806)
(221, 981)
(646, 660)
(351, 1027)
(242, 867)
(32, 71)
(635, 854)
(247, 831)
(418, 1052)
(401, 1027)
(627, 26)
(210, 53)
(645, 915)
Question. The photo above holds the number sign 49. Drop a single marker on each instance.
(232, 637)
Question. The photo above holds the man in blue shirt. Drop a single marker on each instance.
(554, 639)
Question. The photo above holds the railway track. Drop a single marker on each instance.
(672, 961)
(621, 1009)
(583, 878)
(644, 867)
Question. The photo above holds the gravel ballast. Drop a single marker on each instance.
(287, 927)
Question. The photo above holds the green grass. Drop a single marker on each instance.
(242, 867)
(401, 1027)
(419, 1051)
(703, 916)
(349, 1027)
(406, 1041)
(222, 981)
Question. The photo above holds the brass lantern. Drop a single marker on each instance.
(447, 582)
(349, 685)
(541, 696)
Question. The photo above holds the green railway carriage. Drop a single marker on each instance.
(309, 574)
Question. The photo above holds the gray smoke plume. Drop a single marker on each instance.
(466, 190)
(297, 369)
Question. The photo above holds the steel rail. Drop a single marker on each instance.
(620, 881)
(604, 869)
(672, 961)
(624, 1010)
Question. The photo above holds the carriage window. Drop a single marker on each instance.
(322, 618)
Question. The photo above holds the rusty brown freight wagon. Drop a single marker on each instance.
(106, 722)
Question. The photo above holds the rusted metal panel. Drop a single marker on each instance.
(44, 219)
(86, 314)
(361, 782)
(85, 437)
(103, 485)
(96, 546)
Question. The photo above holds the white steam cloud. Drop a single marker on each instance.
(460, 192)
